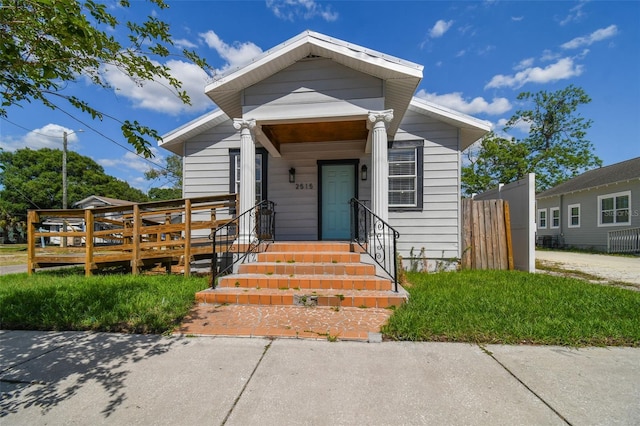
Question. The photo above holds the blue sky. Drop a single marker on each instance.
(477, 56)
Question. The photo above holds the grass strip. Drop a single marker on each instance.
(515, 307)
(112, 303)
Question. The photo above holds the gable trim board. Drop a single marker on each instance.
(310, 101)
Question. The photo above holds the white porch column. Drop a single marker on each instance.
(379, 161)
(247, 176)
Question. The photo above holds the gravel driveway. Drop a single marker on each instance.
(611, 268)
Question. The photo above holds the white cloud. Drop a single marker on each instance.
(183, 43)
(477, 105)
(517, 18)
(236, 54)
(440, 28)
(548, 55)
(522, 126)
(49, 136)
(130, 167)
(561, 70)
(461, 53)
(597, 35)
(158, 95)
(305, 9)
(524, 64)
(575, 14)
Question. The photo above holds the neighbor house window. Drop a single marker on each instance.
(405, 175)
(554, 212)
(613, 209)
(573, 213)
(261, 173)
(542, 218)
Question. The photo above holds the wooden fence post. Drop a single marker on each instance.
(137, 224)
(187, 237)
(32, 219)
(88, 242)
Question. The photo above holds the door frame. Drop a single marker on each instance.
(346, 162)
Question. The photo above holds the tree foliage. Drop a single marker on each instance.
(556, 148)
(32, 179)
(170, 177)
(45, 44)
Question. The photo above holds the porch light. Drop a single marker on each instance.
(292, 175)
(363, 172)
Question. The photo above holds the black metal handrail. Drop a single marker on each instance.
(229, 250)
(376, 237)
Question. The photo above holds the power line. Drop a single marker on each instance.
(95, 131)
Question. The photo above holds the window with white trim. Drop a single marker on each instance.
(554, 212)
(542, 218)
(573, 213)
(405, 175)
(613, 209)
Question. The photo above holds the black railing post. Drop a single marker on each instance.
(263, 215)
(376, 237)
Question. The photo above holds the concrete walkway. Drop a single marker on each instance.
(99, 378)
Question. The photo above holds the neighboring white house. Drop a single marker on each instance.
(316, 121)
(94, 201)
(593, 209)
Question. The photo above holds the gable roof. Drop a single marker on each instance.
(401, 77)
(619, 172)
(471, 128)
(106, 200)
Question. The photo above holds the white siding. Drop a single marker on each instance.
(206, 161)
(315, 86)
(589, 235)
(436, 227)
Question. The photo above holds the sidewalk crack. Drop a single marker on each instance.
(488, 352)
(235, 402)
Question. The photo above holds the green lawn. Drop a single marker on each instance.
(66, 300)
(515, 307)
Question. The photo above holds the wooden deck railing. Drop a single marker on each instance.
(136, 235)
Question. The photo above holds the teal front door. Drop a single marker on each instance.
(338, 186)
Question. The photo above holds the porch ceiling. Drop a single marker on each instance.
(316, 132)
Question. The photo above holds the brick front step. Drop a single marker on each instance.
(307, 268)
(320, 282)
(308, 257)
(313, 246)
(337, 298)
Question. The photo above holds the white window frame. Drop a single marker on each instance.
(417, 176)
(552, 210)
(540, 219)
(615, 209)
(570, 215)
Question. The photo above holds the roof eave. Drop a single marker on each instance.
(471, 128)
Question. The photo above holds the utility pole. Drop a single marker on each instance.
(63, 241)
(64, 170)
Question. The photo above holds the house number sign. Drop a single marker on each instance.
(304, 186)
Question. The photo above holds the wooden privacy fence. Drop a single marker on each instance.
(135, 235)
(486, 235)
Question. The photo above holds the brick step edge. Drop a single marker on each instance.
(303, 268)
(302, 298)
(308, 257)
(309, 247)
(319, 282)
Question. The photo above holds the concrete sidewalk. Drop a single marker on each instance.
(98, 378)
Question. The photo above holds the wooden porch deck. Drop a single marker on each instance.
(137, 235)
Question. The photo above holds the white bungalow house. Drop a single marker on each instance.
(316, 121)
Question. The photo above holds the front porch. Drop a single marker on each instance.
(321, 290)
